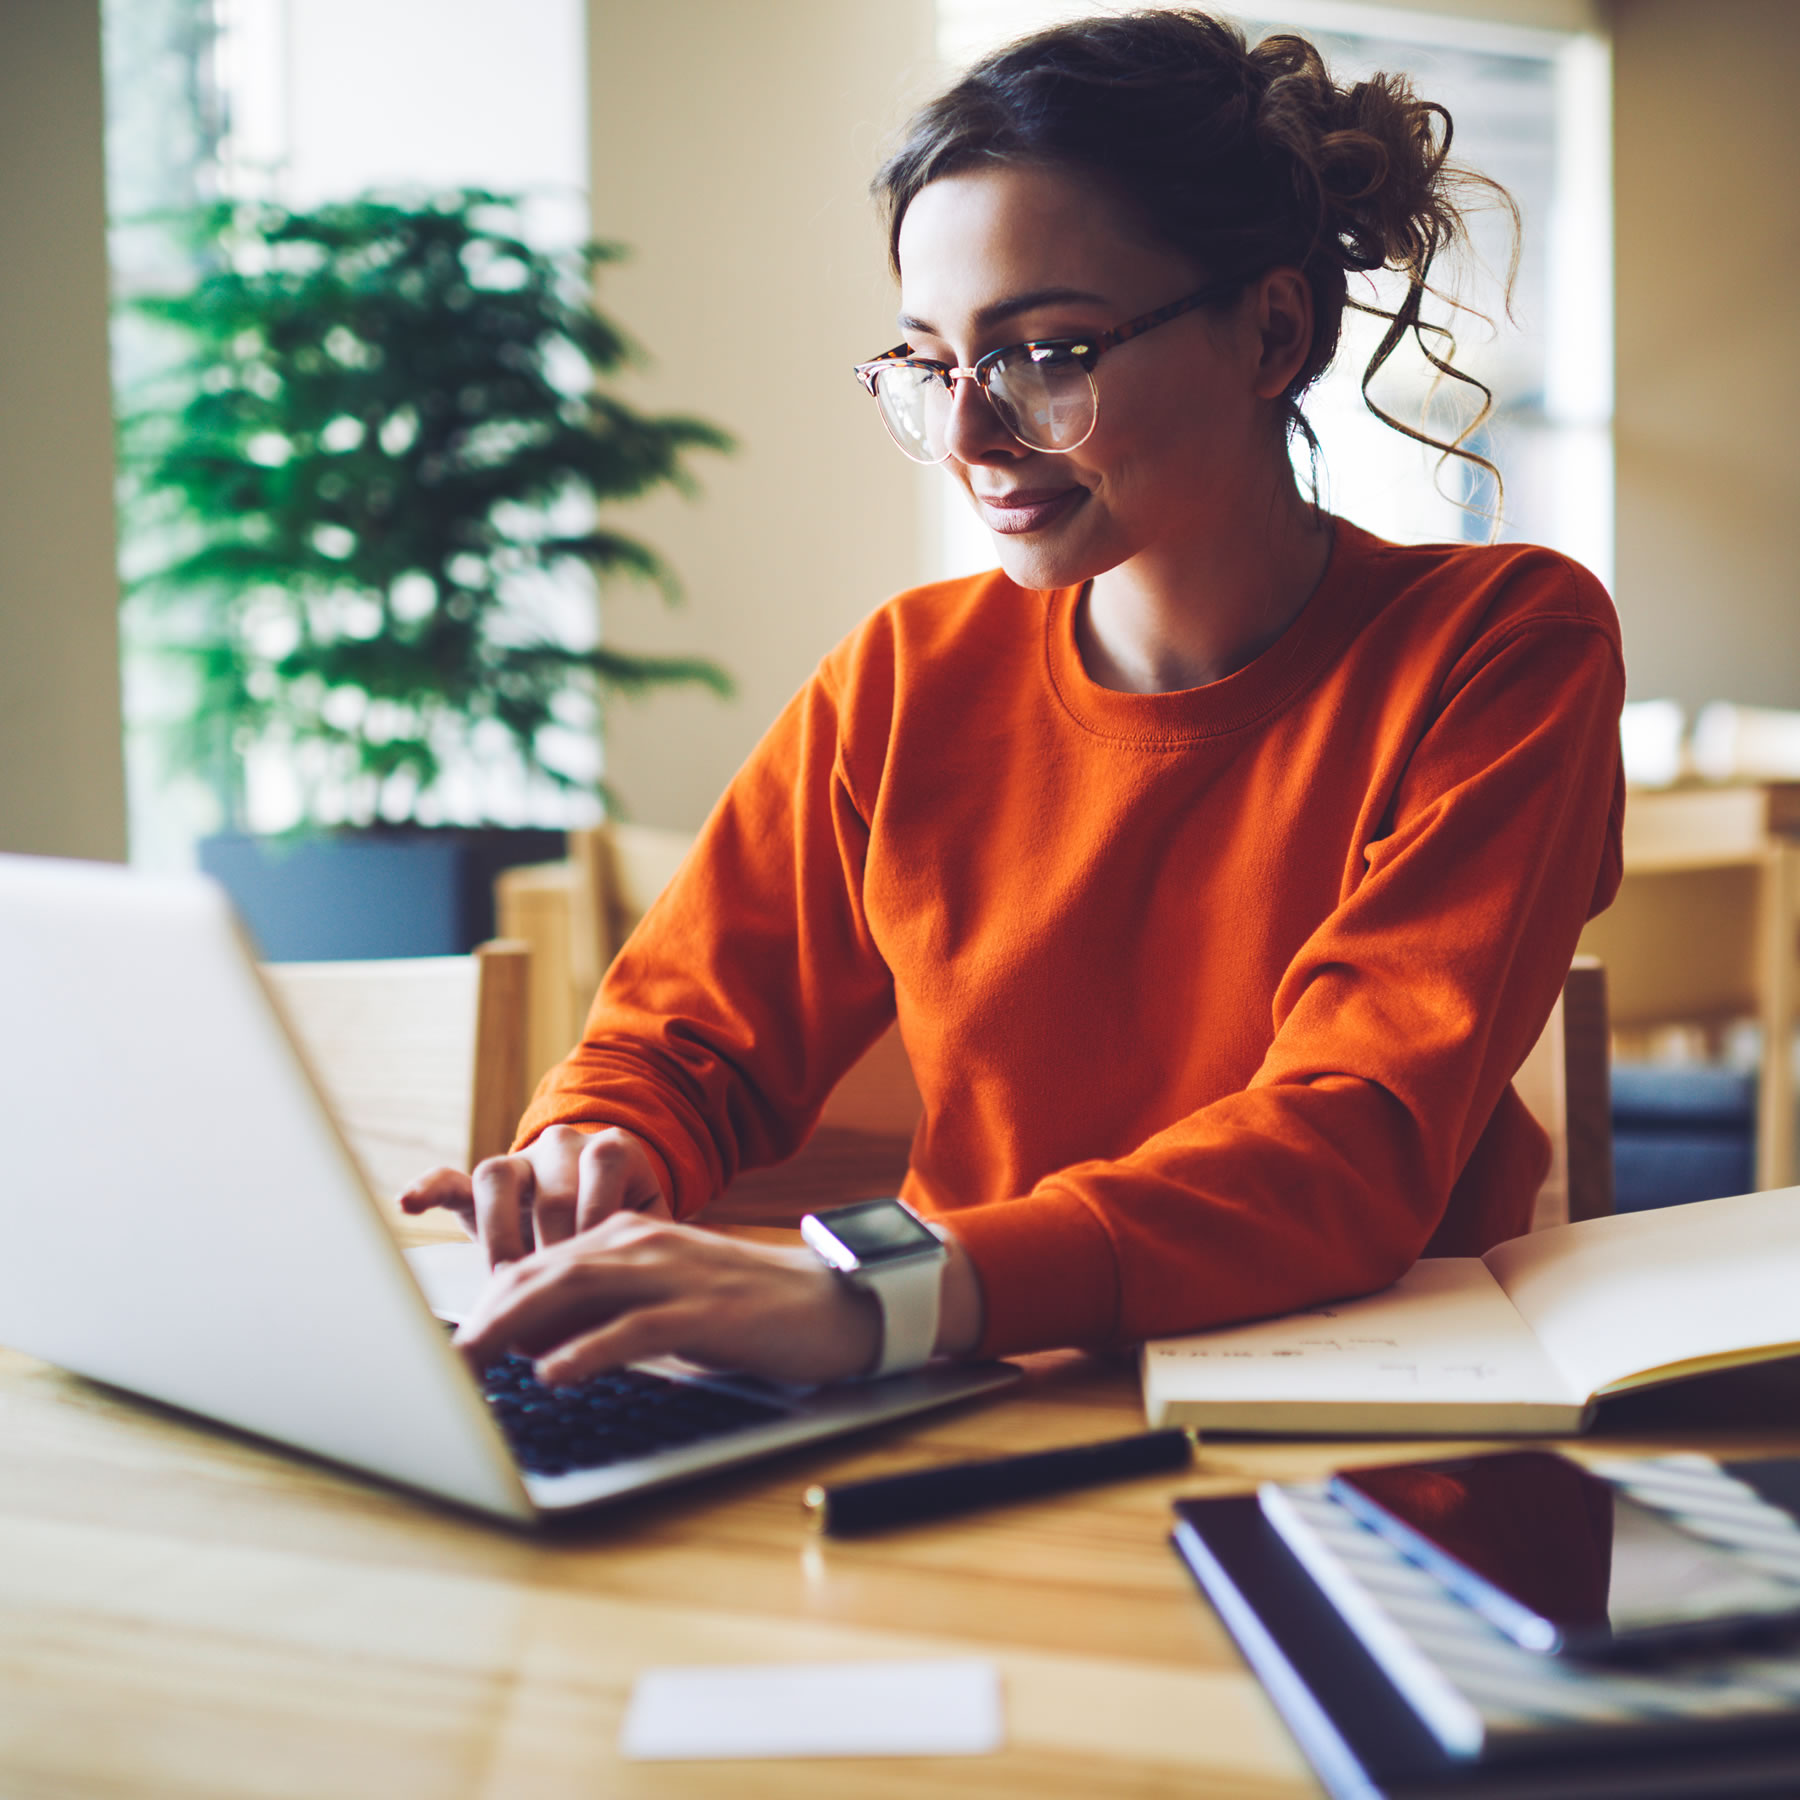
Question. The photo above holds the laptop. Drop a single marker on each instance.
(182, 1218)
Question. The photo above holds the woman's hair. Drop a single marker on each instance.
(1245, 158)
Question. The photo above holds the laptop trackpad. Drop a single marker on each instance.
(452, 1276)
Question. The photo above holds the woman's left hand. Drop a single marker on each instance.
(633, 1287)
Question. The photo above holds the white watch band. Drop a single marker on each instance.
(907, 1293)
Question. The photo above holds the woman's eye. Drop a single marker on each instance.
(1038, 356)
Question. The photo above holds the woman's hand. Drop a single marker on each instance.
(564, 1182)
(590, 1273)
(633, 1287)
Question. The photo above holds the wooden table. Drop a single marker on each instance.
(186, 1613)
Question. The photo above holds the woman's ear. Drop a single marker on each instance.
(1282, 308)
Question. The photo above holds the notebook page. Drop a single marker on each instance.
(1615, 1298)
(1444, 1332)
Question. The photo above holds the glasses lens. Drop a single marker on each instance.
(1044, 397)
(914, 405)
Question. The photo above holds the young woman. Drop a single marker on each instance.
(1220, 861)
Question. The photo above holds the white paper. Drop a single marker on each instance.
(807, 1709)
(1443, 1333)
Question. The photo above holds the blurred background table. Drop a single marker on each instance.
(1706, 929)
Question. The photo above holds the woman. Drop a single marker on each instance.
(1220, 861)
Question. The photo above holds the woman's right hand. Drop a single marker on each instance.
(562, 1182)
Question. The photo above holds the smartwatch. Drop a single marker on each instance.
(884, 1248)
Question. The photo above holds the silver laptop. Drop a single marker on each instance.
(181, 1217)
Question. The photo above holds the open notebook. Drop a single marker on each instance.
(1523, 1340)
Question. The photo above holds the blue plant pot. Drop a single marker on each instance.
(380, 892)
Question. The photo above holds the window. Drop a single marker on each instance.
(301, 102)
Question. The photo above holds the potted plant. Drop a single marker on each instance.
(347, 500)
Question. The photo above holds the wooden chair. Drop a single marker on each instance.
(574, 915)
(1565, 1083)
(423, 1060)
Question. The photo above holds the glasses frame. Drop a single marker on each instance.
(1086, 350)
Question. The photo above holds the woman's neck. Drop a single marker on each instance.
(1182, 616)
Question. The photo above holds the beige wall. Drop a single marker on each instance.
(61, 775)
(1707, 169)
(732, 148)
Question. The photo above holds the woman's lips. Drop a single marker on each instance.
(1028, 509)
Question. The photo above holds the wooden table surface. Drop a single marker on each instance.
(184, 1612)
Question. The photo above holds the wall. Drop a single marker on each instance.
(61, 769)
(1707, 156)
(732, 147)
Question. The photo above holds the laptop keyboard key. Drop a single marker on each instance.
(613, 1418)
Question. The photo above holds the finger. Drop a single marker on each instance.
(504, 1188)
(614, 1177)
(534, 1304)
(555, 1163)
(448, 1188)
(635, 1336)
(554, 1150)
(553, 1211)
(529, 1305)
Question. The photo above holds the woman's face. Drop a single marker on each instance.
(1186, 422)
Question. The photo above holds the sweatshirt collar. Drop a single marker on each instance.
(1332, 613)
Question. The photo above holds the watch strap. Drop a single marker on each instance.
(908, 1294)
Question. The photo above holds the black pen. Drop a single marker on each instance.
(961, 1487)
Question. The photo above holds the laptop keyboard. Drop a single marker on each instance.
(611, 1418)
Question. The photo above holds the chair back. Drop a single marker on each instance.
(575, 915)
(422, 1059)
(1565, 1082)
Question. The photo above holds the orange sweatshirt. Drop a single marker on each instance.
(1214, 997)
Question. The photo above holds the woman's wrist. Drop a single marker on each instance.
(960, 1307)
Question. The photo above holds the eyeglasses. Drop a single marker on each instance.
(1043, 391)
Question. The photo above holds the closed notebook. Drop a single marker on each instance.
(1523, 1340)
(1486, 1699)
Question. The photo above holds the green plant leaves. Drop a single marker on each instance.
(384, 421)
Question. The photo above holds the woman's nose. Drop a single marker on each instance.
(973, 432)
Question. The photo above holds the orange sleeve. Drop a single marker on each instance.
(1397, 1029)
(750, 986)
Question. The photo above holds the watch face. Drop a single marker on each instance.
(879, 1231)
